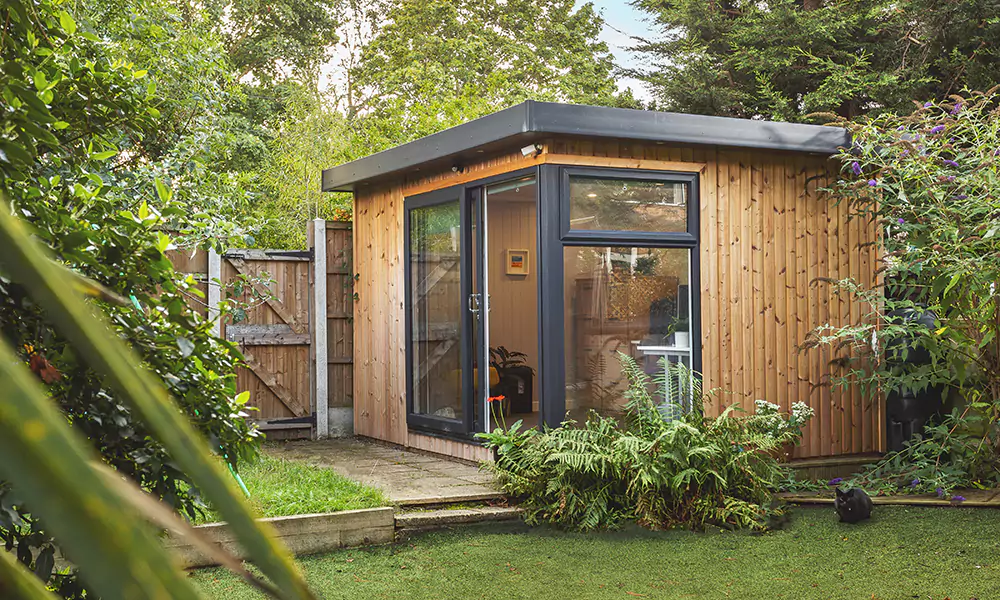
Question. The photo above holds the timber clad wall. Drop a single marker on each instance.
(767, 238)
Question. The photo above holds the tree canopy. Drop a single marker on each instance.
(785, 59)
(437, 63)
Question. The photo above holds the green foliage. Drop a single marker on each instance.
(947, 456)
(785, 59)
(434, 64)
(659, 467)
(927, 181)
(311, 137)
(57, 476)
(77, 170)
(269, 39)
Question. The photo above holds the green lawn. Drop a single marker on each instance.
(925, 553)
(280, 487)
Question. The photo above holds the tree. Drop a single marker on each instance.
(312, 136)
(436, 63)
(785, 59)
(75, 168)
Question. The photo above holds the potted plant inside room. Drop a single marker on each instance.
(516, 379)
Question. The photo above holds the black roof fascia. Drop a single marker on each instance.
(530, 120)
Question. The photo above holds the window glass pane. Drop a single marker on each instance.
(623, 299)
(627, 204)
(436, 310)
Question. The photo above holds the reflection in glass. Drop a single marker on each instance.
(436, 309)
(627, 205)
(622, 299)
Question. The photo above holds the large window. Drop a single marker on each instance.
(629, 272)
(623, 299)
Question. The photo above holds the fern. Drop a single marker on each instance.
(658, 468)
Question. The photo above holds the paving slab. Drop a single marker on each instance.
(406, 476)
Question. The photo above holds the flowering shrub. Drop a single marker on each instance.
(769, 419)
(929, 182)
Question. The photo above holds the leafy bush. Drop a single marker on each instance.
(928, 182)
(74, 118)
(661, 471)
(947, 456)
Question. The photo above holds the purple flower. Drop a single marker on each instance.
(951, 163)
(915, 482)
(950, 178)
(958, 498)
(957, 109)
(937, 129)
(901, 128)
(940, 492)
(928, 104)
(835, 481)
(996, 152)
(856, 168)
(901, 221)
(872, 182)
(960, 197)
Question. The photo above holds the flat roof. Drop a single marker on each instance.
(531, 120)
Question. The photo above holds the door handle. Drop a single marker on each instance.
(474, 303)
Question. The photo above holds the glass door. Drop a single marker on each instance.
(439, 377)
(447, 356)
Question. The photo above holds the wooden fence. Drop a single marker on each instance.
(299, 368)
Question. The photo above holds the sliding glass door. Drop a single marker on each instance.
(445, 310)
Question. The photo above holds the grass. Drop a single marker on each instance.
(904, 552)
(280, 487)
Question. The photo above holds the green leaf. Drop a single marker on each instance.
(162, 191)
(22, 582)
(67, 23)
(242, 398)
(60, 125)
(143, 211)
(61, 485)
(104, 155)
(40, 81)
(139, 74)
(163, 242)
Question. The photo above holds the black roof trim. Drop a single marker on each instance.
(531, 120)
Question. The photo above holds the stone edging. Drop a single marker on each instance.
(301, 534)
(317, 533)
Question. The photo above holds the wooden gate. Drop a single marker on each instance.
(292, 357)
(273, 333)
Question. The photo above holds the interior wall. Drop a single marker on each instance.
(513, 298)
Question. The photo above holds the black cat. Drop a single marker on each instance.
(853, 506)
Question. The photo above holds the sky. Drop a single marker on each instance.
(622, 21)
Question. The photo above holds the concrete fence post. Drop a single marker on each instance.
(214, 290)
(319, 328)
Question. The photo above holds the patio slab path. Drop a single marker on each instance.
(409, 478)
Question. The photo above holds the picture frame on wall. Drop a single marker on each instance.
(517, 261)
